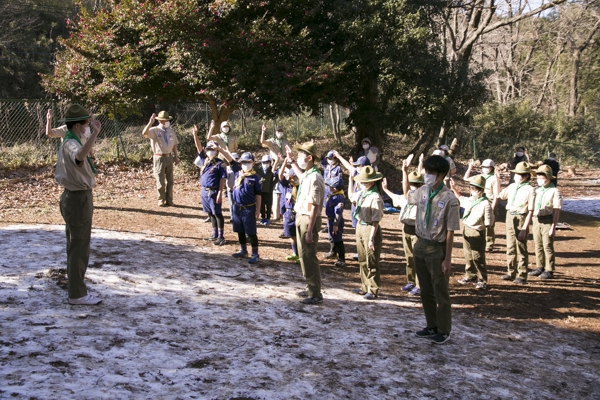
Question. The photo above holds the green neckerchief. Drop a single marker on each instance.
(71, 135)
(540, 197)
(363, 196)
(311, 171)
(473, 204)
(280, 144)
(225, 137)
(428, 209)
(486, 176)
(519, 186)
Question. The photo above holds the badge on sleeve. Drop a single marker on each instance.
(424, 199)
(435, 222)
(441, 204)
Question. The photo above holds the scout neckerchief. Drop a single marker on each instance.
(486, 176)
(311, 171)
(225, 137)
(165, 137)
(519, 186)
(341, 191)
(242, 175)
(428, 208)
(280, 144)
(71, 135)
(540, 196)
(208, 162)
(294, 192)
(363, 196)
(473, 204)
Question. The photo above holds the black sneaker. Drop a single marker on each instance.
(219, 241)
(303, 294)
(426, 333)
(312, 300)
(211, 238)
(358, 291)
(440, 338)
(547, 275)
(507, 277)
(339, 263)
(535, 272)
(520, 281)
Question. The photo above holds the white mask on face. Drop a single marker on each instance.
(430, 179)
(211, 153)
(330, 161)
(413, 188)
(266, 165)
(475, 194)
(246, 167)
(279, 134)
(363, 186)
(165, 124)
(486, 170)
(226, 129)
(302, 162)
(541, 181)
(518, 179)
(519, 154)
(366, 146)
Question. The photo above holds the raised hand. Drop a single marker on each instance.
(49, 114)
(95, 124)
(264, 127)
(152, 118)
(384, 183)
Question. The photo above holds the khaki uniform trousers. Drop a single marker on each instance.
(434, 284)
(409, 239)
(544, 244)
(163, 171)
(474, 249)
(490, 231)
(77, 209)
(311, 271)
(516, 250)
(368, 260)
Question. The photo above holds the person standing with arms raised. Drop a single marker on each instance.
(309, 204)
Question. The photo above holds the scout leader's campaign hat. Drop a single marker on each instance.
(368, 174)
(477, 181)
(416, 177)
(310, 148)
(522, 168)
(75, 112)
(545, 170)
(163, 116)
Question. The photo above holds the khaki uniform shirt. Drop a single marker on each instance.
(444, 213)
(480, 215)
(228, 142)
(522, 203)
(408, 215)
(551, 200)
(157, 140)
(69, 174)
(275, 150)
(371, 209)
(451, 162)
(311, 191)
(490, 183)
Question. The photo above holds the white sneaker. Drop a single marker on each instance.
(87, 300)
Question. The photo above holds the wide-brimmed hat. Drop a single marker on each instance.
(247, 156)
(488, 163)
(265, 158)
(308, 147)
(522, 168)
(362, 162)
(545, 170)
(477, 181)
(368, 174)
(75, 112)
(335, 182)
(416, 177)
(163, 116)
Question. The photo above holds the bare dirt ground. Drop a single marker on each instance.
(182, 319)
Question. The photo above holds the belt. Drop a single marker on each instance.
(163, 155)
(365, 223)
(545, 217)
(431, 242)
(244, 205)
(515, 213)
(210, 188)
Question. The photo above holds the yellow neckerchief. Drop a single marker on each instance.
(208, 162)
(242, 175)
(341, 191)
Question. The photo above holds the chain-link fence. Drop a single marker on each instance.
(23, 129)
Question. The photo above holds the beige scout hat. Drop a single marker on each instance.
(163, 116)
(75, 112)
(310, 148)
(368, 174)
(477, 181)
(522, 168)
(416, 177)
(545, 170)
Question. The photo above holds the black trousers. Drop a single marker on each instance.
(266, 205)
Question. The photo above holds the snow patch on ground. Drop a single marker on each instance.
(180, 322)
(583, 205)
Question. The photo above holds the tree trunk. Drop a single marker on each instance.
(219, 114)
(573, 93)
(335, 123)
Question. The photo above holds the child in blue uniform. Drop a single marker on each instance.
(246, 204)
(213, 176)
(288, 184)
(268, 182)
(334, 209)
(332, 170)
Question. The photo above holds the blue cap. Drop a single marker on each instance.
(336, 182)
(291, 172)
(330, 154)
(247, 156)
(235, 156)
(362, 161)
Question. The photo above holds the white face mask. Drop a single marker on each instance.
(279, 134)
(226, 129)
(518, 178)
(486, 170)
(366, 146)
(541, 181)
(266, 165)
(211, 153)
(475, 194)
(519, 154)
(413, 188)
(165, 124)
(430, 179)
(363, 186)
(302, 162)
(330, 161)
(246, 167)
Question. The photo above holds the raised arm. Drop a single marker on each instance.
(297, 170)
(453, 188)
(405, 183)
(468, 172)
(344, 162)
(150, 123)
(211, 129)
(421, 161)
(197, 142)
(263, 142)
(49, 132)
(89, 144)
(281, 172)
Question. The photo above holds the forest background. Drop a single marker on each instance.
(493, 74)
